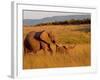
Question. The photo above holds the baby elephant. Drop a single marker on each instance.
(63, 48)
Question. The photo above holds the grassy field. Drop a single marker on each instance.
(65, 34)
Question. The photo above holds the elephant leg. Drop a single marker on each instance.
(25, 50)
(34, 52)
(52, 48)
(45, 48)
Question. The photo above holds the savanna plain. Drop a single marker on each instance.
(80, 55)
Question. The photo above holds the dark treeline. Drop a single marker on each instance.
(67, 22)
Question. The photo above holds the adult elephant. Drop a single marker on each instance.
(35, 41)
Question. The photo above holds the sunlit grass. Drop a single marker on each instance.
(65, 34)
(79, 56)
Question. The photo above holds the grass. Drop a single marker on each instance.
(65, 34)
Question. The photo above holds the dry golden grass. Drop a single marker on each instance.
(78, 56)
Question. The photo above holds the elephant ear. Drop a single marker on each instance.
(44, 36)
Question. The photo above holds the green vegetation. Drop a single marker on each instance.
(68, 22)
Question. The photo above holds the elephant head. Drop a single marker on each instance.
(48, 37)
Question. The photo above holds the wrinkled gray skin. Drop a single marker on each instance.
(35, 41)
